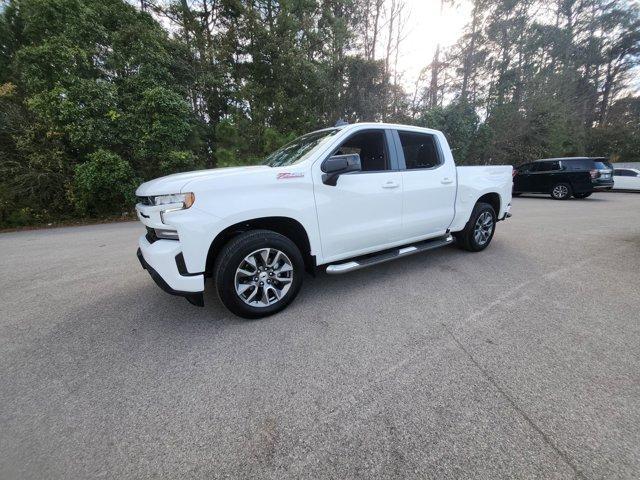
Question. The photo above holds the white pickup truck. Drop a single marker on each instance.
(344, 198)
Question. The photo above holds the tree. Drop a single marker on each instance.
(82, 77)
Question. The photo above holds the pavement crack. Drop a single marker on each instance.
(485, 373)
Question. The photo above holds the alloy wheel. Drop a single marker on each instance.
(483, 228)
(264, 277)
(560, 191)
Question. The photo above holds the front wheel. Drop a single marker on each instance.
(561, 191)
(479, 230)
(582, 195)
(258, 273)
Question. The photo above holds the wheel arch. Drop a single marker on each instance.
(287, 226)
(493, 199)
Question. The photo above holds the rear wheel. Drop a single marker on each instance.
(561, 191)
(258, 273)
(479, 230)
(582, 195)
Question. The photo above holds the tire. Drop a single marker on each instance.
(243, 277)
(469, 239)
(561, 191)
(582, 195)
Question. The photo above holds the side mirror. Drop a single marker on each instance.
(338, 165)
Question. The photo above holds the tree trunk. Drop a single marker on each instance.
(468, 62)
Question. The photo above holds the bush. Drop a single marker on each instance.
(175, 162)
(20, 218)
(105, 184)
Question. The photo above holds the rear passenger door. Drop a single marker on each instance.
(546, 175)
(429, 184)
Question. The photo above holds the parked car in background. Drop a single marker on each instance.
(343, 198)
(563, 177)
(627, 179)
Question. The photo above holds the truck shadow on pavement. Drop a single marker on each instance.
(449, 264)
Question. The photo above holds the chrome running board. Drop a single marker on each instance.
(387, 255)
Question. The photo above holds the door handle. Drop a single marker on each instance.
(446, 180)
(391, 184)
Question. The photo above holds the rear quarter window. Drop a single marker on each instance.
(578, 164)
(600, 165)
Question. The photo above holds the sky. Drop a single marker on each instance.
(424, 29)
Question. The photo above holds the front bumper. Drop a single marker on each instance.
(163, 260)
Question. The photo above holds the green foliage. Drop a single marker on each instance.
(458, 121)
(225, 157)
(178, 161)
(84, 113)
(619, 138)
(104, 184)
(80, 78)
(161, 122)
(273, 140)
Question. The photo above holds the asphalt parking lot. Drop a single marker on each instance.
(522, 361)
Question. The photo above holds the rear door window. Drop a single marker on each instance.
(420, 150)
(549, 166)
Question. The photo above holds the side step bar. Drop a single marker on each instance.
(387, 255)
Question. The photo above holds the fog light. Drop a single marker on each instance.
(166, 234)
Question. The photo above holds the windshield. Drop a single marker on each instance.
(299, 149)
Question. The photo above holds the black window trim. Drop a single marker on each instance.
(391, 153)
(400, 151)
(542, 162)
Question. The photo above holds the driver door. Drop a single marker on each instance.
(363, 211)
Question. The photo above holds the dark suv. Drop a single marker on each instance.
(563, 177)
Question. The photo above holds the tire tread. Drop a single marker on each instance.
(464, 238)
(224, 258)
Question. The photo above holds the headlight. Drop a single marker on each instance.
(186, 199)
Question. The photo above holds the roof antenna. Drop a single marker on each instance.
(341, 123)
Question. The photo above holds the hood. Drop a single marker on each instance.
(176, 182)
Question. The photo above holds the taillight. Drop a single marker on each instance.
(514, 173)
(594, 173)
